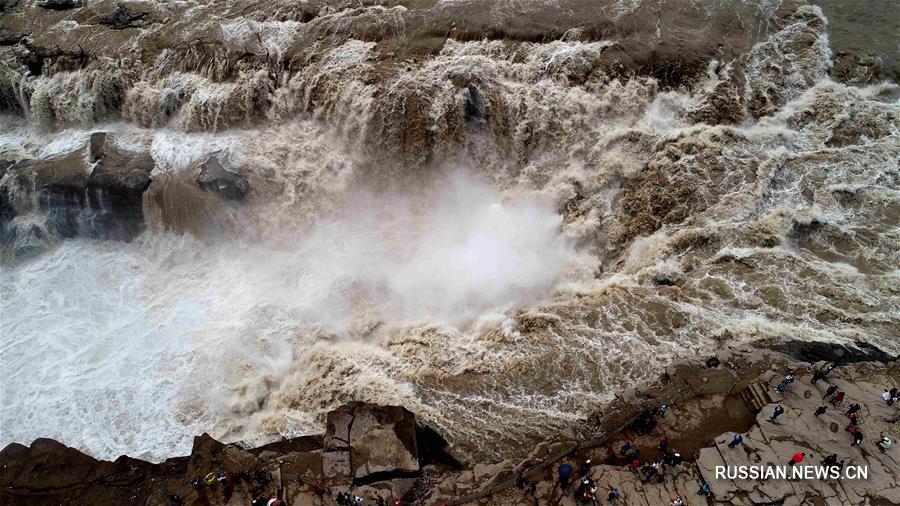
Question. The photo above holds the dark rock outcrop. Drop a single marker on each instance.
(9, 37)
(115, 188)
(96, 191)
(60, 5)
(123, 17)
(49, 472)
(371, 447)
(215, 178)
(839, 354)
(8, 5)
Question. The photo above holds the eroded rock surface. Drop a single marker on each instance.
(364, 442)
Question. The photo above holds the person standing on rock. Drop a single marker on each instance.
(796, 459)
(885, 443)
(775, 414)
(784, 383)
(819, 411)
(613, 496)
(853, 409)
(585, 494)
(829, 392)
(634, 465)
(668, 459)
(565, 474)
(838, 399)
(888, 398)
(585, 468)
(736, 440)
(817, 375)
(647, 470)
(821, 373)
(705, 491)
(664, 445)
(626, 448)
(857, 437)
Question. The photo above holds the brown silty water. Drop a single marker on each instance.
(497, 214)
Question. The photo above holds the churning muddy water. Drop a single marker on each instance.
(495, 213)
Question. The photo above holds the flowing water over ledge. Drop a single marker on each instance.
(496, 221)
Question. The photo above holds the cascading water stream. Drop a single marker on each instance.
(496, 228)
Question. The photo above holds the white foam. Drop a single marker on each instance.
(116, 348)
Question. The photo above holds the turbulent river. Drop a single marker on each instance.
(497, 214)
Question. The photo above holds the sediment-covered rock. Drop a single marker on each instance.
(366, 442)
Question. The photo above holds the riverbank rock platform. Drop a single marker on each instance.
(382, 454)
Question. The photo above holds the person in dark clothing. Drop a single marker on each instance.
(775, 414)
(626, 447)
(613, 496)
(853, 409)
(830, 460)
(817, 375)
(664, 445)
(831, 390)
(857, 438)
(585, 467)
(819, 411)
(565, 474)
(736, 440)
(585, 494)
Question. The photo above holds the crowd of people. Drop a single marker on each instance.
(580, 485)
(836, 397)
(629, 455)
(654, 470)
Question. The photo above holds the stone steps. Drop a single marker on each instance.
(756, 395)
